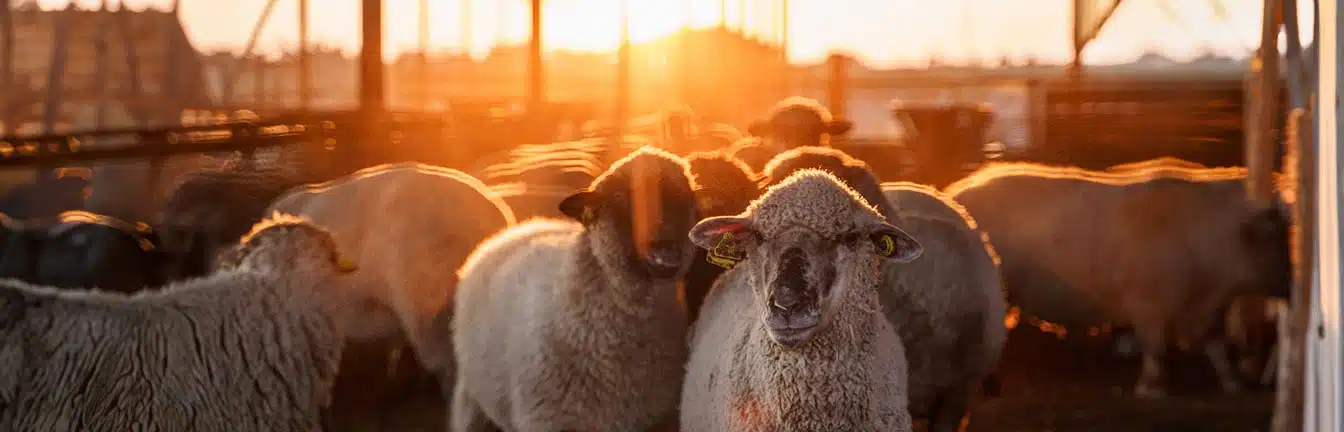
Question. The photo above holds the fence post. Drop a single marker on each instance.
(838, 83)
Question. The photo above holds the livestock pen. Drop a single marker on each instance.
(1050, 381)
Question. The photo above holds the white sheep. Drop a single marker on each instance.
(792, 338)
(948, 307)
(250, 348)
(578, 326)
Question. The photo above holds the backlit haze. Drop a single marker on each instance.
(882, 33)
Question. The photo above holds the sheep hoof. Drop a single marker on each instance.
(1149, 391)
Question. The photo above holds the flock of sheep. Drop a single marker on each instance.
(771, 284)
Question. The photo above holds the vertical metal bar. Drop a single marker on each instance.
(838, 83)
(787, 75)
(371, 83)
(305, 62)
(1076, 66)
(422, 58)
(535, 69)
(1260, 139)
(100, 66)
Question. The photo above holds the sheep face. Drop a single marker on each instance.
(799, 275)
(639, 212)
(287, 244)
(800, 124)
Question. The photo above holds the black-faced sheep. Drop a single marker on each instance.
(727, 186)
(78, 249)
(853, 172)
(601, 340)
(210, 209)
(799, 121)
(411, 225)
(253, 347)
(1164, 251)
(791, 339)
(46, 198)
(948, 307)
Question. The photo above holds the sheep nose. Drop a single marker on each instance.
(786, 301)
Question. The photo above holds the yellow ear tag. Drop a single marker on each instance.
(344, 265)
(588, 215)
(725, 254)
(888, 247)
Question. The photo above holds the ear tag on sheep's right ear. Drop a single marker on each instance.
(886, 246)
(725, 254)
(344, 265)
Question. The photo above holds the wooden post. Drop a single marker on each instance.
(259, 100)
(1076, 66)
(371, 82)
(7, 87)
(128, 44)
(536, 90)
(1264, 101)
(100, 66)
(1290, 385)
(169, 92)
(51, 106)
(305, 62)
(836, 99)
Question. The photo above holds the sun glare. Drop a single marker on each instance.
(594, 25)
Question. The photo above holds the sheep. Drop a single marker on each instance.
(791, 337)
(798, 121)
(47, 198)
(601, 345)
(1163, 250)
(210, 209)
(80, 249)
(252, 347)
(753, 151)
(949, 316)
(727, 186)
(949, 308)
(412, 225)
(853, 172)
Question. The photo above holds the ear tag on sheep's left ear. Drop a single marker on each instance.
(886, 246)
(725, 254)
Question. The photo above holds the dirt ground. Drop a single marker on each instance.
(1049, 385)
(1057, 385)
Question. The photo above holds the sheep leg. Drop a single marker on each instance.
(1152, 340)
(1216, 351)
(466, 415)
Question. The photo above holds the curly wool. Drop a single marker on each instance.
(236, 351)
(851, 376)
(554, 330)
(948, 308)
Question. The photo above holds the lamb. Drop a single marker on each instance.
(791, 339)
(210, 209)
(412, 225)
(727, 186)
(799, 121)
(601, 343)
(250, 348)
(949, 308)
(1164, 251)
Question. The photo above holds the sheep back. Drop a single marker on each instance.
(233, 351)
(948, 307)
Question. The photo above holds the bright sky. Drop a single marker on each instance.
(882, 32)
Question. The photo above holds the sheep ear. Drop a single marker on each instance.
(758, 129)
(727, 238)
(839, 127)
(581, 206)
(895, 244)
